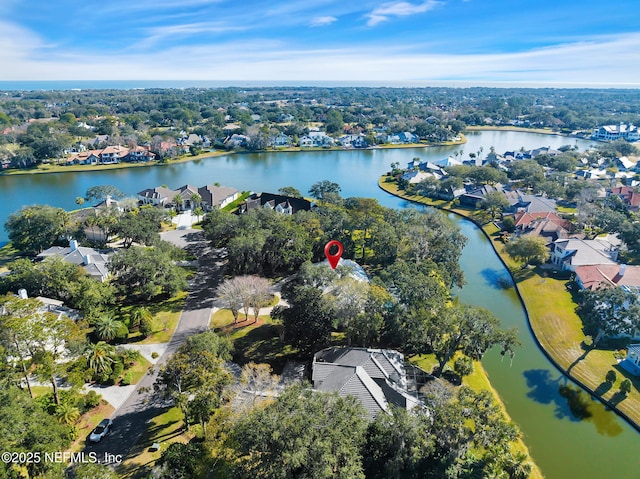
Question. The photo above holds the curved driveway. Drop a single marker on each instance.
(133, 417)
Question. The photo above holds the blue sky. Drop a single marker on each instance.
(564, 42)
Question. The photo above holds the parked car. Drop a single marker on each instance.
(101, 430)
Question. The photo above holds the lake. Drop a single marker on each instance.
(563, 446)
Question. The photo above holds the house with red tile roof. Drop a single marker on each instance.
(543, 224)
(628, 195)
(598, 276)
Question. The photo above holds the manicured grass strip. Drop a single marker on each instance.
(478, 380)
(166, 315)
(553, 319)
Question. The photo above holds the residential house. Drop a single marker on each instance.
(532, 203)
(279, 203)
(140, 153)
(624, 164)
(632, 362)
(571, 253)
(376, 377)
(415, 177)
(158, 196)
(113, 154)
(217, 196)
(93, 261)
(542, 224)
(189, 197)
(629, 196)
(353, 141)
(621, 131)
(403, 137)
(280, 140)
(599, 276)
(237, 141)
(473, 195)
(316, 138)
(449, 161)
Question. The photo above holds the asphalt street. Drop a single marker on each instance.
(133, 417)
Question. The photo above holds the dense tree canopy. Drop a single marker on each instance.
(34, 228)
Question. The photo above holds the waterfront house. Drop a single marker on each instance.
(598, 276)
(287, 205)
(542, 224)
(569, 254)
(188, 196)
(621, 131)
(376, 377)
(632, 362)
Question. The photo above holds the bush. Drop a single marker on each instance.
(118, 369)
(126, 380)
(154, 355)
(146, 327)
(91, 399)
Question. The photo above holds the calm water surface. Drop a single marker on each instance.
(564, 447)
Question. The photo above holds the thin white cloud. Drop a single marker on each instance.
(157, 34)
(605, 60)
(398, 9)
(322, 21)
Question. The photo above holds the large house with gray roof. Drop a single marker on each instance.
(94, 262)
(377, 377)
(188, 197)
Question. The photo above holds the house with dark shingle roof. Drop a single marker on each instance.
(377, 377)
(280, 203)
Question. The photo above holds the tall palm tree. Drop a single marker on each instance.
(138, 315)
(67, 413)
(100, 357)
(106, 328)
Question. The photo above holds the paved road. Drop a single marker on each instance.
(132, 418)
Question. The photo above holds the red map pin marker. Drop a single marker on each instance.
(333, 258)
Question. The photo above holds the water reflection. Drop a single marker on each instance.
(570, 402)
(497, 278)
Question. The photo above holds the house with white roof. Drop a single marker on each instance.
(376, 377)
(620, 131)
(571, 253)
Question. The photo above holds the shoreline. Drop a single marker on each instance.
(57, 168)
(530, 323)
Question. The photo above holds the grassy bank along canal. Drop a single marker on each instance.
(550, 309)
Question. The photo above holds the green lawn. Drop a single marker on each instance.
(254, 342)
(166, 315)
(478, 380)
(551, 308)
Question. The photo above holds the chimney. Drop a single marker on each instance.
(623, 269)
(22, 293)
(87, 260)
(73, 245)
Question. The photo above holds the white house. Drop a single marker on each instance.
(632, 361)
(571, 253)
(620, 131)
